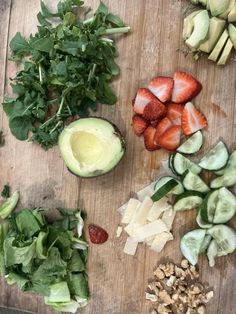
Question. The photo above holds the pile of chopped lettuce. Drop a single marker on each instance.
(45, 257)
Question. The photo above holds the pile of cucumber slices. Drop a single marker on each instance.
(215, 203)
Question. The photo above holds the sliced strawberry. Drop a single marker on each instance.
(154, 110)
(139, 124)
(162, 127)
(185, 87)
(192, 119)
(162, 87)
(174, 112)
(170, 140)
(155, 123)
(143, 97)
(149, 142)
(97, 234)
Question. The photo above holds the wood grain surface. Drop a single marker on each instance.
(117, 281)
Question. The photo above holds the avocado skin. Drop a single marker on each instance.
(118, 133)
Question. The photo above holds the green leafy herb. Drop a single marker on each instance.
(5, 191)
(40, 256)
(2, 139)
(9, 204)
(66, 71)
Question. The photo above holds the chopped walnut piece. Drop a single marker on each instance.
(165, 297)
(195, 289)
(151, 297)
(179, 272)
(153, 312)
(184, 263)
(201, 309)
(168, 269)
(163, 309)
(170, 281)
(192, 272)
(159, 273)
(209, 296)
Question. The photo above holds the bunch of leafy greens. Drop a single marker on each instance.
(67, 68)
(45, 257)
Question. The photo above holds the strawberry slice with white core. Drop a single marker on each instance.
(192, 119)
(162, 87)
(139, 124)
(149, 141)
(143, 97)
(162, 127)
(174, 112)
(186, 87)
(170, 140)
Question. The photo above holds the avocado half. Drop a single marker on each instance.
(91, 147)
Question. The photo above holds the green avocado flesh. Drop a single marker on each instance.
(232, 34)
(91, 147)
(218, 7)
(226, 52)
(219, 46)
(215, 30)
(201, 25)
(225, 14)
(189, 25)
(232, 14)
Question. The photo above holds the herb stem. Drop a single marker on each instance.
(40, 74)
(55, 127)
(116, 30)
(47, 122)
(61, 106)
(89, 20)
(91, 73)
(29, 107)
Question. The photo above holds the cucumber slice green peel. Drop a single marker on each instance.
(162, 181)
(225, 238)
(205, 243)
(188, 200)
(192, 145)
(207, 209)
(193, 182)
(231, 165)
(165, 189)
(191, 244)
(225, 207)
(226, 180)
(202, 223)
(216, 158)
(180, 164)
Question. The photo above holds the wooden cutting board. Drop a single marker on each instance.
(117, 281)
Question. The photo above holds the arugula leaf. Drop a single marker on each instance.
(20, 127)
(19, 45)
(26, 223)
(9, 205)
(79, 285)
(3, 233)
(42, 44)
(20, 280)
(59, 292)
(6, 191)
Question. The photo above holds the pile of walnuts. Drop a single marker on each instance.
(177, 290)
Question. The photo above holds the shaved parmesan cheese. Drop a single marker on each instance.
(119, 231)
(130, 246)
(147, 191)
(168, 217)
(149, 230)
(158, 208)
(122, 209)
(149, 240)
(130, 210)
(161, 240)
(141, 215)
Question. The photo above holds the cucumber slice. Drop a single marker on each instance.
(171, 163)
(164, 190)
(193, 182)
(192, 145)
(228, 179)
(205, 243)
(208, 206)
(201, 222)
(230, 165)
(216, 158)
(190, 245)
(188, 200)
(225, 238)
(162, 181)
(212, 253)
(181, 164)
(226, 206)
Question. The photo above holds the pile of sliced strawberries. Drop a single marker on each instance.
(163, 112)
